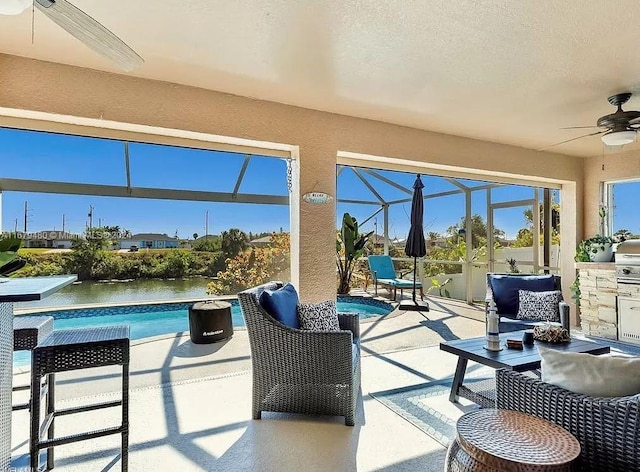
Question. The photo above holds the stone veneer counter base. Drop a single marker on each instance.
(599, 290)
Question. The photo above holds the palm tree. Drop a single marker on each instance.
(234, 242)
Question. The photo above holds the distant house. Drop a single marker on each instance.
(437, 242)
(48, 239)
(261, 242)
(150, 241)
(378, 240)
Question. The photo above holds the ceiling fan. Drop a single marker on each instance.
(80, 25)
(617, 129)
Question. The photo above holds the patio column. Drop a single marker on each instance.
(571, 211)
(313, 226)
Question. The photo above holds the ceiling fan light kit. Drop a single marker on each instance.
(619, 138)
(14, 7)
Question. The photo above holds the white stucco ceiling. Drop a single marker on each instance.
(505, 71)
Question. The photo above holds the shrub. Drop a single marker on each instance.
(208, 244)
(254, 267)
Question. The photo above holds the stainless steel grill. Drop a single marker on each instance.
(628, 262)
(628, 277)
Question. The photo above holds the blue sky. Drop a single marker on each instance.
(46, 156)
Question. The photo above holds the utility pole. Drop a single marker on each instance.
(26, 209)
(15, 228)
(206, 224)
(90, 215)
(63, 223)
(99, 222)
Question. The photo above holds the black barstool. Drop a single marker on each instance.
(75, 349)
(28, 331)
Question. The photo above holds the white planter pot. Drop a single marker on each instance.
(602, 255)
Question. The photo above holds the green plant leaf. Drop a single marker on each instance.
(12, 266)
(10, 243)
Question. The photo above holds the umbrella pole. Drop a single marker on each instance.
(415, 305)
(415, 268)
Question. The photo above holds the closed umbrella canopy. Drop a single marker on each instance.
(415, 245)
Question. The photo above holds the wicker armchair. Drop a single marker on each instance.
(509, 321)
(607, 428)
(299, 371)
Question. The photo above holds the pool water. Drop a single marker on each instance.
(153, 320)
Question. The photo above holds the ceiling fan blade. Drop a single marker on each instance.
(580, 127)
(94, 35)
(634, 123)
(573, 139)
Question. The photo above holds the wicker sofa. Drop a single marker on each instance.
(607, 428)
(299, 371)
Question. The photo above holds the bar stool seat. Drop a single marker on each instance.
(74, 349)
(28, 331)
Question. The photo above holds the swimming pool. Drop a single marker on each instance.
(154, 320)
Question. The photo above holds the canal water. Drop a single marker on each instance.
(116, 292)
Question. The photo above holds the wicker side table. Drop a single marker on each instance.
(502, 440)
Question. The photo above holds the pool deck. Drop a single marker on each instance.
(191, 409)
(174, 358)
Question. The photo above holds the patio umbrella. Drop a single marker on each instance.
(415, 246)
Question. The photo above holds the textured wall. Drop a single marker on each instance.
(52, 88)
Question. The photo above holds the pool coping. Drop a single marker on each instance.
(86, 306)
(169, 301)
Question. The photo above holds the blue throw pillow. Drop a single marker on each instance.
(505, 290)
(282, 305)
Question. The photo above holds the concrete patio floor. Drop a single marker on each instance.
(191, 405)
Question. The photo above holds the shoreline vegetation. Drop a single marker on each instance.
(231, 264)
(108, 265)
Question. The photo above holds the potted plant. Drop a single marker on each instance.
(596, 249)
(350, 245)
(599, 248)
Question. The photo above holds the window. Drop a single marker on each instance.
(621, 200)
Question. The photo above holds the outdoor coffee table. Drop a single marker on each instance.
(492, 440)
(523, 360)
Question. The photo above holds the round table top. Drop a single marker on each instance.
(211, 305)
(496, 437)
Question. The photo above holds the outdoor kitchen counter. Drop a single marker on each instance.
(596, 265)
(11, 291)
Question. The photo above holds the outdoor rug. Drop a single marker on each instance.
(427, 406)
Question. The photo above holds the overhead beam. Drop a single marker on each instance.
(431, 195)
(243, 169)
(368, 185)
(374, 214)
(514, 203)
(453, 181)
(127, 165)
(358, 202)
(38, 186)
(486, 186)
(378, 176)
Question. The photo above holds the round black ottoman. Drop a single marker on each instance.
(210, 322)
